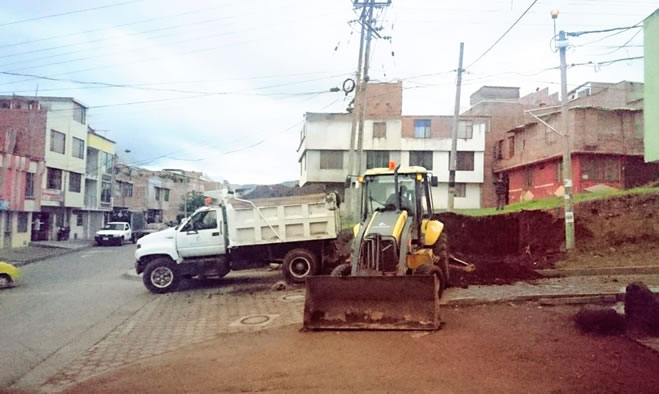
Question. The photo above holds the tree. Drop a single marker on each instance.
(195, 200)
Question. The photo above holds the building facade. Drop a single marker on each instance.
(651, 91)
(99, 176)
(22, 167)
(389, 135)
(64, 181)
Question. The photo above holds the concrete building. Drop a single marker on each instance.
(65, 153)
(22, 167)
(99, 175)
(389, 135)
(651, 93)
(606, 145)
(158, 194)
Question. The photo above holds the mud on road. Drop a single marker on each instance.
(498, 348)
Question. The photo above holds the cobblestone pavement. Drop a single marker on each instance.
(184, 318)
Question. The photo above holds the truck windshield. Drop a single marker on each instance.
(381, 195)
(113, 226)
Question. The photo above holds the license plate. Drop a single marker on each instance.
(106, 238)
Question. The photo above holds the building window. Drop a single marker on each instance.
(57, 141)
(78, 148)
(422, 128)
(377, 159)
(528, 177)
(8, 223)
(511, 146)
(460, 190)
(162, 194)
(465, 129)
(106, 162)
(498, 150)
(29, 185)
(79, 219)
(74, 182)
(465, 161)
(600, 169)
(379, 130)
(559, 172)
(79, 113)
(22, 222)
(106, 192)
(166, 194)
(126, 189)
(331, 159)
(421, 159)
(54, 179)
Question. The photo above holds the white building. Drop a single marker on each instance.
(64, 181)
(388, 135)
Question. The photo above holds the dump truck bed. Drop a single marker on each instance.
(283, 219)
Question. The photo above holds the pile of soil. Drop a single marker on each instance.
(279, 190)
(509, 248)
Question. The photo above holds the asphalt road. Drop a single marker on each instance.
(61, 307)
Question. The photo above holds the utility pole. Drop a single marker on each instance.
(453, 162)
(362, 100)
(562, 44)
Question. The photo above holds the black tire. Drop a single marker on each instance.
(440, 249)
(133, 239)
(161, 276)
(5, 280)
(342, 270)
(427, 270)
(298, 265)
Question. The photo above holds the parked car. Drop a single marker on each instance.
(114, 233)
(8, 274)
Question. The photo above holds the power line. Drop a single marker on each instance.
(70, 12)
(503, 35)
(619, 47)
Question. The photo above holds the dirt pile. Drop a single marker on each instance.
(279, 190)
(642, 308)
(604, 321)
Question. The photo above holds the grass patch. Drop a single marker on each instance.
(555, 202)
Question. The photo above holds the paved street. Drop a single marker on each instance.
(63, 306)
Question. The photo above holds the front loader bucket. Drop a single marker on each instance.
(371, 303)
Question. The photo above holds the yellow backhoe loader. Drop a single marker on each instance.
(399, 263)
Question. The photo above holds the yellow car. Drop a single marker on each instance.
(8, 274)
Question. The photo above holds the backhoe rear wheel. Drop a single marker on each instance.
(428, 269)
(342, 270)
(440, 249)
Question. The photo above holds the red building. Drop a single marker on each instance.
(22, 140)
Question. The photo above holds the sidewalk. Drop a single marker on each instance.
(42, 250)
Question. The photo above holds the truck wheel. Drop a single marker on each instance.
(5, 280)
(161, 276)
(133, 238)
(342, 270)
(428, 269)
(440, 249)
(298, 265)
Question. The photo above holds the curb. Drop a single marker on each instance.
(64, 251)
(637, 270)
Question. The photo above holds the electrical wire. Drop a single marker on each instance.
(503, 35)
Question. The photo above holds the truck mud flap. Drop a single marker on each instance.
(371, 303)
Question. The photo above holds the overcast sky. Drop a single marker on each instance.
(221, 86)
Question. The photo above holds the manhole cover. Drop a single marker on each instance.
(293, 297)
(254, 320)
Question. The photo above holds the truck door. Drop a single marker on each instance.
(201, 235)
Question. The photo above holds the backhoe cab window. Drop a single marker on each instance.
(204, 220)
(380, 193)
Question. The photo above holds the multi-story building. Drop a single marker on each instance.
(22, 139)
(99, 175)
(65, 153)
(389, 135)
(606, 141)
(651, 91)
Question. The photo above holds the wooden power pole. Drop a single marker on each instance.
(453, 162)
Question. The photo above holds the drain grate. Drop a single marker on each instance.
(253, 321)
(293, 297)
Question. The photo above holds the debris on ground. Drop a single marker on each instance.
(279, 286)
(604, 321)
(642, 308)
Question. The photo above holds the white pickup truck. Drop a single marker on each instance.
(295, 231)
(114, 233)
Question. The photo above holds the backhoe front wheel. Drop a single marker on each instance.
(427, 270)
(440, 250)
(342, 270)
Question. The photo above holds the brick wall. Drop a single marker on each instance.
(440, 126)
(28, 127)
(384, 100)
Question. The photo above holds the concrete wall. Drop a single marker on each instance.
(651, 54)
(12, 238)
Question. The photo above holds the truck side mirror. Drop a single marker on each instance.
(434, 181)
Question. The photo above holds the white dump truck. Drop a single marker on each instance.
(295, 231)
